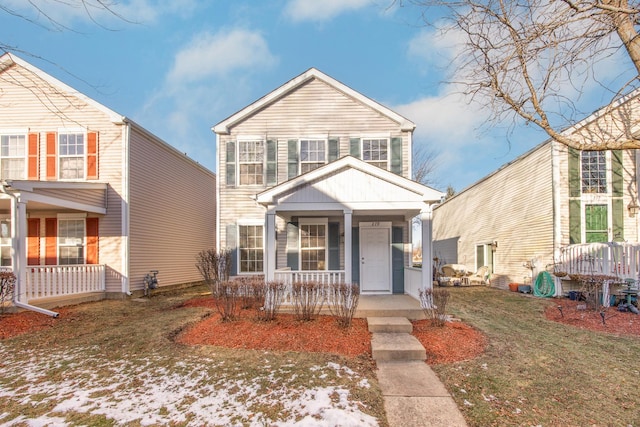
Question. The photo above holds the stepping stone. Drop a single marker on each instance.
(389, 324)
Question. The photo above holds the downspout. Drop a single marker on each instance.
(16, 242)
(557, 215)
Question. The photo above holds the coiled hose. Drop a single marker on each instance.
(544, 286)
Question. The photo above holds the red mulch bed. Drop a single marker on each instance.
(616, 322)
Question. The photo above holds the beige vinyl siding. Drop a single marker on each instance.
(41, 108)
(172, 211)
(89, 197)
(514, 207)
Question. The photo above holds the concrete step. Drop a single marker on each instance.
(396, 346)
(389, 324)
(413, 314)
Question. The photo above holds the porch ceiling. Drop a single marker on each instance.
(41, 196)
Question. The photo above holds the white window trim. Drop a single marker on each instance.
(24, 132)
(245, 223)
(72, 216)
(67, 131)
(593, 198)
(248, 138)
(314, 221)
(323, 138)
(378, 136)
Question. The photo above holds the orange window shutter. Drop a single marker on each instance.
(51, 241)
(52, 142)
(92, 240)
(33, 241)
(32, 156)
(92, 155)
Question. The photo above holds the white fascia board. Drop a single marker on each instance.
(8, 59)
(26, 196)
(224, 126)
(20, 185)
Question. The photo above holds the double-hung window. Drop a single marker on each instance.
(312, 154)
(71, 234)
(594, 172)
(251, 156)
(71, 149)
(12, 156)
(313, 245)
(376, 152)
(251, 248)
(5, 242)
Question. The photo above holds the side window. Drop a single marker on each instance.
(251, 156)
(12, 156)
(71, 155)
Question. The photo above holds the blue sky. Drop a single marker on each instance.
(178, 67)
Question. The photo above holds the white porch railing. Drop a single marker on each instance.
(62, 280)
(289, 277)
(619, 260)
(413, 281)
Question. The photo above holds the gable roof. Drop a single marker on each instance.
(9, 59)
(224, 126)
(340, 182)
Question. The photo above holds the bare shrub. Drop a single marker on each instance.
(214, 267)
(7, 288)
(272, 299)
(434, 304)
(308, 298)
(251, 291)
(227, 298)
(343, 301)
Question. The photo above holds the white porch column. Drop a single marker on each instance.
(19, 246)
(270, 247)
(348, 238)
(427, 258)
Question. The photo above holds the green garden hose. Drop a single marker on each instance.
(544, 286)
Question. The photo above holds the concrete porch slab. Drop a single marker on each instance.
(389, 306)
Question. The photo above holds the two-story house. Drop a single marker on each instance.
(90, 201)
(315, 185)
(531, 213)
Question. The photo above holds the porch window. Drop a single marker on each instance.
(251, 156)
(312, 154)
(594, 172)
(71, 234)
(596, 220)
(12, 156)
(313, 246)
(376, 152)
(5, 242)
(251, 248)
(71, 155)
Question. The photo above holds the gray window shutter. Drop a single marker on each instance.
(397, 260)
(617, 183)
(396, 155)
(354, 147)
(334, 150)
(231, 163)
(292, 158)
(617, 218)
(575, 229)
(575, 181)
(292, 245)
(334, 246)
(272, 162)
(355, 255)
(232, 244)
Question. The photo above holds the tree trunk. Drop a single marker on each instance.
(624, 25)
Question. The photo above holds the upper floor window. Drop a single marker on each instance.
(312, 154)
(376, 152)
(12, 156)
(251, 162)
(71, 155)
(594, 172)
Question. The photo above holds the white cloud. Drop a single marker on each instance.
(209, 55)
(321, 10)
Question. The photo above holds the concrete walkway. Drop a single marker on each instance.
(413, 394)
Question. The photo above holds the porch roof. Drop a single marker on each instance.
(80, 196)
(350, 184)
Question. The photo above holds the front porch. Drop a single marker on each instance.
(389, 306)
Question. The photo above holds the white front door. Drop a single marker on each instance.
(375, 259)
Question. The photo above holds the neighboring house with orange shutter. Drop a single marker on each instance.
(316, 186)
(534, 211)
(90, 201)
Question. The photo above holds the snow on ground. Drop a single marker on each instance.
(195, 392)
